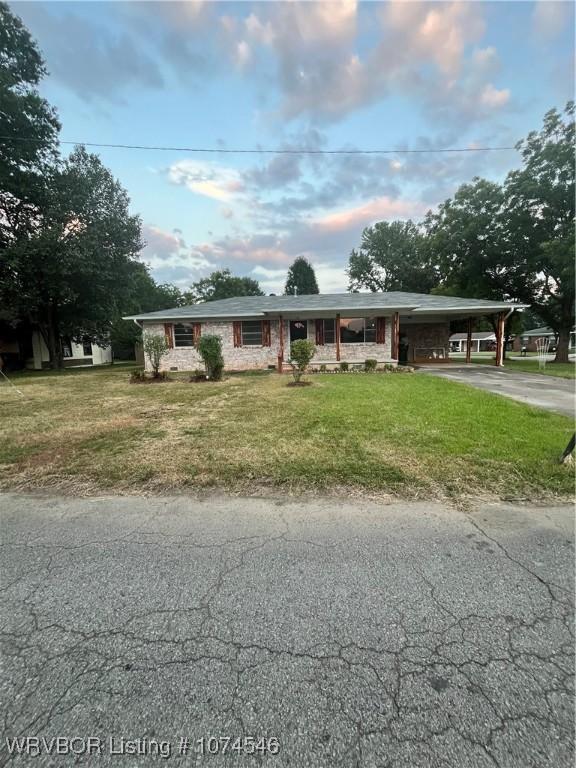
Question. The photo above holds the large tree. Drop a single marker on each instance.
(70, 274)
(393, 256)
(470, 240)
(301, 279)
(222, 284)
(540, 211)
(28, 126)
(143, 294)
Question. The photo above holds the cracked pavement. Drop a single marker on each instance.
(357, 633)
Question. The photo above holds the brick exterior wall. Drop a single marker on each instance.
(425, 335)
(249, 358)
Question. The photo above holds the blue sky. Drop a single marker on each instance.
(393, 75)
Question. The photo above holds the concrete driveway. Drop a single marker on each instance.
(549, 392)
(356, 634)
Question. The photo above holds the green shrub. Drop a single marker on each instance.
(210, 349)
(370, 365)
(155, 347)
(323, 368)
(301, 353)
(344, 367)
(137, 376)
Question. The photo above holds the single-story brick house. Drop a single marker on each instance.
(256, 331)
(529, 339)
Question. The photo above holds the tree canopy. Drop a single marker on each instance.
(71, 271)
(392, 257)
(540, 214)
(511, 241)
(24, 165)
(301, 279)
(222, 284)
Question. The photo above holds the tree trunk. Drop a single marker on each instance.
(53, 338)
(563, 344)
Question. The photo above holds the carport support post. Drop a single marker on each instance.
(500, 340)
(469, 340)
(395, 335)
(337, 334)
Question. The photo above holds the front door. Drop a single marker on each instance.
(298, 330)
(403, 351)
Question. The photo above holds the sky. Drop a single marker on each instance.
(391, 75)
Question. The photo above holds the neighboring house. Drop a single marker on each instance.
(529, 339)
(482, 341)
(22, 347)
(256, 331)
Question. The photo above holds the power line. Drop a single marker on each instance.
(213, 150)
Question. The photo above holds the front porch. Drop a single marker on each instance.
(397, 339)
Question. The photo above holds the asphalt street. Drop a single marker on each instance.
(353, 633)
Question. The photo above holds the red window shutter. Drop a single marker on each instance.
(380, 330)
(197, 330)
(319, 333)
(169, 333)
(266, 333)
(237, 333)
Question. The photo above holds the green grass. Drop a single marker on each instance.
(527, 364)
(409, 435)
(561, 370)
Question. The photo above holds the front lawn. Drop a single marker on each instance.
(528, 364)
(562, 370)
(410, 435)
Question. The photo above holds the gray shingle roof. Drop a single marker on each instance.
(543, 331)
(250, 306)
(478, 336)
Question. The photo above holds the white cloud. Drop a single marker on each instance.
(243, 54)
(492, 98)
(208, 179)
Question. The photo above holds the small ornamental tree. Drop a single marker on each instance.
(210, 349)
(301, 353)
(155, 347)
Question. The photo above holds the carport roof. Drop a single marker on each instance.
(393, 301)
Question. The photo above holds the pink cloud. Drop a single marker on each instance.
(362, 215)
(159, 242)
(257, 249)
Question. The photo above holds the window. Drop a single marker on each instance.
(329, 335)
(251, 333)
(87, 348)
(357, 330)
(183, 335)
(66, 348)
